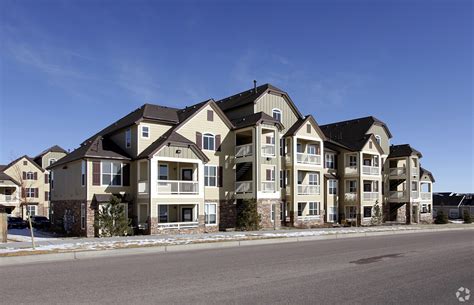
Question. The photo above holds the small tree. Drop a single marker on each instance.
(441, 218)
(111, 220)
(248, 219)
(466, 216)
(376, 219)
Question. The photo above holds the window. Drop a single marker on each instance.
(163, 213)
(314, 208)
(83, 173)
(46, 196)
(111, 173)
(370, 144)
(332, 214)
(83, 216)
(208, 141)
(282, 179)
(210, 175)
(51, 182)
(352, 160)
(270, 140)
(25, 162)
(287, 177)
(312, 149)
(378, 139)
(332, 184)
(299, 148)
(313, 179)
(367, 186)
(31, 210)
(30, 176)
(308, 128)
(282, 147)
(367, 212)
(30, 192)
(301, 206)
(270, 174)
(163, 172)
(128, 138)
(330, 160)
(351, 212)
(414, 185)
(273, 212)
(210, 115)
(424, 208)
(145, 132)
(51, 161)
(276, 113)
(352, 186)
(210, 211)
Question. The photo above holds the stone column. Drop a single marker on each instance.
(408, 212)
(3, 225)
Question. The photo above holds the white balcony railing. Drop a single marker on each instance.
(243, 187)
(350, 170)
(178, 225)
(304, 189)
(143, 187)
(397, 194)
(370, 170)
(177, 187)
(8, 198)
(370, 196)
(308, 159)
(268, 186)
(268, 150)
(243, 150)
(398, 171)
(415, 194)
(350, 196)
(425, 195)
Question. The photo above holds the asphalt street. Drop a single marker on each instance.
(417, 268)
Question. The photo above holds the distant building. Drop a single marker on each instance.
(453, 204)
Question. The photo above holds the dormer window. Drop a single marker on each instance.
(208, 141)
(145, 132)
(276, 113)
(378, 138)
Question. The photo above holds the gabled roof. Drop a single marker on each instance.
(95, 148)
(299, 123)
(187, 113)
(172, 138)
(254, 119)
(54, 148)
(424, 171)
(251, 96)
(403, 150)
(353, 132)
(27, 158)
(4, 176)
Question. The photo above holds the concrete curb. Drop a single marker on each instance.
(79, 255)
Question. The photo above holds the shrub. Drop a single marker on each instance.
(248, 218)
(441, 218)
(466, 216)
(111, 221)
(376, 215)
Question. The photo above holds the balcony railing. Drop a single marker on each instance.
(143, 187)
(243, 150)
(425, 195)
(178, 225)
(398, 171)
(415, 194)
(8, 198)
(308, 159)
(268, 186)
(268, 150)
(350, 196)
(243, 187)
(397, 194)
(304, 189)
(350, 170)
(177, 187)
(370, 196)
(370, 170)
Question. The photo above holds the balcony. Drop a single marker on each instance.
(243, 187)
(8, 198)
(243, 150)
(397, 194)
(370, 196)
(177, 187)
(398, 171)
(268, 150)
(304, 158)
(143, 187)
(268, 186)
(308, 189)
(414, 194)
(350, 196)
(425, 195)
(370, 170)
(348, 170)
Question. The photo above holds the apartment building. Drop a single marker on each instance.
(191, 169)
(24, 183)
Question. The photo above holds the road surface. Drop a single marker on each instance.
(425, 268)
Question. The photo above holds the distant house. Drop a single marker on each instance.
(453, 204)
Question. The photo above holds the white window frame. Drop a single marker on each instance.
(313, 178)
(83, 216)
(83, 173)
(330, 158)
(273, 212)
(128, 138)
(29, 207)
(310, 148)
(208, 176)
(278, 112)
(207, 214)
(30, 175)
(349, 186)
(112, 175)
(30, 192)
(142, 131)
(272, 175)
(363, 212)
(378, 139)
(332, 185)
(51, 161)
(314, 208)
(352, 158)
(209, 136)
(167, 171)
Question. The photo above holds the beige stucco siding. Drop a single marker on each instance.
(67, 182)
(384, 139)
(269, 101)
(155, 131)
(119, 139)
(49, 156)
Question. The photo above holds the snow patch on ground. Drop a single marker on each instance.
(25, 235)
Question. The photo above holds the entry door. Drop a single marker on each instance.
(186, 214)
(415, 214)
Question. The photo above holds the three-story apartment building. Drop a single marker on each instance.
(191, 169)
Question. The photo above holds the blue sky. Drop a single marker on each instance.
(77, 66)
